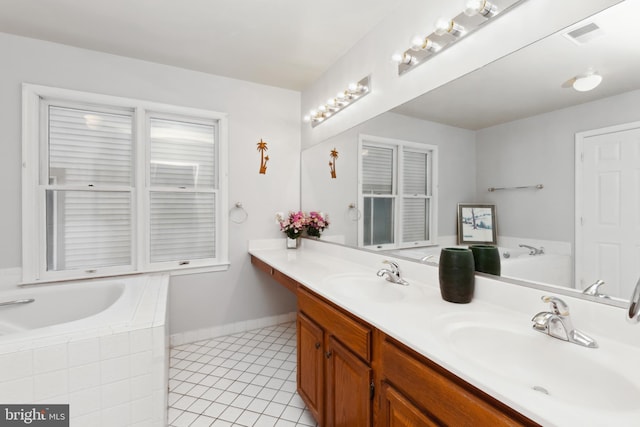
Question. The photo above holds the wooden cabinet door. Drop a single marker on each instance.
(348, 385)
(397, 411)
(310, 374)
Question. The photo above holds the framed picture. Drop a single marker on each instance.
(476, 223)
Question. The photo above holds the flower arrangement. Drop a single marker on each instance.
(296, 223)
(316, 223)
(293, 225)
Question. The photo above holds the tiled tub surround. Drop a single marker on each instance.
(422, 321)
(110, 366)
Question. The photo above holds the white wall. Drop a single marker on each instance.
(456, 177)
(541, 150)
(531, 21)
(255, 111)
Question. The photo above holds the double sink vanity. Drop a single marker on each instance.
(376, 353)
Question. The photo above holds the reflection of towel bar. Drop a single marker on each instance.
(523, 187)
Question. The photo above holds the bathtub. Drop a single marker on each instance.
(99, 345)
(516, 263)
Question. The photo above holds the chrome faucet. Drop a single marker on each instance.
(533, 250)
(633, 315)
(594, 290)
(392, 274)
(557, 324)
(426, 258)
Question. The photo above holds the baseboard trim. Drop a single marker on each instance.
(230, 328)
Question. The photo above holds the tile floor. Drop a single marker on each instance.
(244, 379)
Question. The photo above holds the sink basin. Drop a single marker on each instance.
(510, 349)
(367, 287)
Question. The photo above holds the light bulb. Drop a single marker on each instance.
(313, 113)
(403, 58)
(353, 87)
(340, 95)
(587, 82)
(306, 119)
(322, 108)
(331, 102)
(448, 26)
(417, 42)
(480, 7)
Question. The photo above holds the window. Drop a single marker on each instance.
(397, 193)
(116, 186)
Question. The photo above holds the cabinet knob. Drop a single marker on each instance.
(328, 354)
(317, 345)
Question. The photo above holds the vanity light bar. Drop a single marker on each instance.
(448, 31)
(342, 100)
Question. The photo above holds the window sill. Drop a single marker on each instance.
(172, 271)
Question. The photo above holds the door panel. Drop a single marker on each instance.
(610, 199)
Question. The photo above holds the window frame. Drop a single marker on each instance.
(34, 147)
(399, 146)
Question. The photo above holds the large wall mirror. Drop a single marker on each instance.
(517, 122)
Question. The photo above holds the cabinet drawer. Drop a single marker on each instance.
(350, 332)
(442, 394)
(279, 277)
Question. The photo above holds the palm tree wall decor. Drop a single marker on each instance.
(332, 163)
(262, 147)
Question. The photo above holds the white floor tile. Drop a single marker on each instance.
(247, 418)
(246, 379)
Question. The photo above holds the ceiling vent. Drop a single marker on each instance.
(584, 34)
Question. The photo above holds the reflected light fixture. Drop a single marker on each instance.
(448, 31)
(449, 26)
(342, 100)
(424, 43)
(587, 82)
(480, 7)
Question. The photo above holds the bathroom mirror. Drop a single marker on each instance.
(512, 123)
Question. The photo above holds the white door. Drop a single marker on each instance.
(608, 208)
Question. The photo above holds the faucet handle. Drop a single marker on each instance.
(594, 289)
(558, 306)
(394, 266)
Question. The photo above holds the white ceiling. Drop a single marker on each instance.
(284, 43)
(538, 78)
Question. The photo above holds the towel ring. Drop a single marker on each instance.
(353, 212)
(238, 214)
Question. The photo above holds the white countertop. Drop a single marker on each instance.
(608, 389)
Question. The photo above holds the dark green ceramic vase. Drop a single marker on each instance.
(456, 272)
(486, 259)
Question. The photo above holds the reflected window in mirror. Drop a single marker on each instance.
(397, 193)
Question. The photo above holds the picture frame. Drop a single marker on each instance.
(477, 223)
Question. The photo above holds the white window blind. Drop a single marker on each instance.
(88, 229)
(415, 188)
(182, 226)
(90, 154)
(115, 185)
(377, 170)
(89, 147)
(183, 156)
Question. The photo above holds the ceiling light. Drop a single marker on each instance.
(480, 7)
(342, 100)
(587, 82)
